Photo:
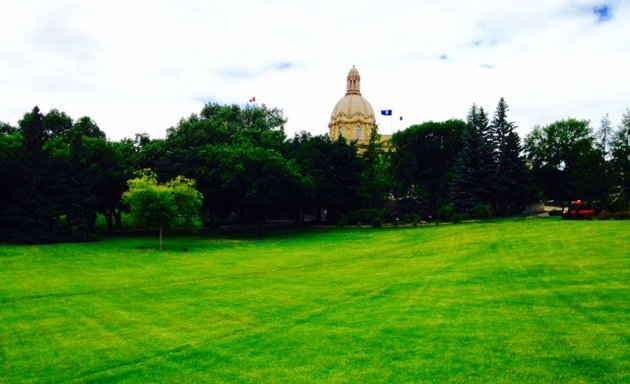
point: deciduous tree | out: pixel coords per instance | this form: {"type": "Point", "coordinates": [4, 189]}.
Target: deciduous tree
{"type": "Point", "coordinates": [173, 205]}
{"type": "Point", "coordinates": [423, 163]}
{"type": "Point", "coordinates": [564, 161]}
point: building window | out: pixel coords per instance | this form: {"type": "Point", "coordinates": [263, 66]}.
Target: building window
{"type": "Point", "coordinates": [358, 133]}
{"type": "Point", "coordinates": [341, 132]}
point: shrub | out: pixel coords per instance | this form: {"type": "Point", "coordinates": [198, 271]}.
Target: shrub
{"type": "Point", "coordinates": [445, 213]}
{"type": "Point", "coordinates": [622, 215]}
{"type": "Point", "coordinates": [366, 215]}
{"type": "Point", "coordinates": [377, 222]}
{"type": "Point", "coordinates": [413, 219]}
{"type": "Point", "coordinates": [604, 215]}
{"type": "Point", "coordinates": [482, 211]}
{"type": "Point", "coordinates": [459, 217]}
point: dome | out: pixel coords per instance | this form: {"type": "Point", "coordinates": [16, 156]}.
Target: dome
{"type": "Point", "coordinates": [353, 72]}
{"type": "Point", "coordinates": [353, 106]}
{"type": "Point", "coordinates": [353, 116]}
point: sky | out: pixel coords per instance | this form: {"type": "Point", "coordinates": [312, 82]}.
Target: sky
{"type": "Point", "coordinates": [139, 66]}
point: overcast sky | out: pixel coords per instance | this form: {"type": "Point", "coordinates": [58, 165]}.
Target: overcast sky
{"type": "Point", "coordinates": [140, 66]}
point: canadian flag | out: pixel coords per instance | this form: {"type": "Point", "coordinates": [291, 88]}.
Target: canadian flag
{"type": "Point", "coordinates": [252, 100]}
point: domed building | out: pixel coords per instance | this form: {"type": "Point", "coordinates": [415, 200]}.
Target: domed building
{"type": "Point", "coordinates": [353, 116]}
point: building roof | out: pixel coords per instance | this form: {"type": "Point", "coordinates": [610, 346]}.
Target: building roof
{"type": "Point", "coordinates": [353, 106]}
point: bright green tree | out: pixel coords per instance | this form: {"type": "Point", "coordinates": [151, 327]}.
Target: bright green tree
{"type": "Point", "coordinates": [173, 205]}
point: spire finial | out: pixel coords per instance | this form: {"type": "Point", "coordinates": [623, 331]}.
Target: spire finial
{"type": "Point", "coordinates": [353, 85]}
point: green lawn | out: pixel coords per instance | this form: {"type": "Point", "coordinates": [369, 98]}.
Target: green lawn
{"type": "Point", "coordinates": [535, 300]}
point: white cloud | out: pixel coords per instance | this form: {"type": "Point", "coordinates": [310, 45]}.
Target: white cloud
{"type": "Point", "coordinates": [141, 66]}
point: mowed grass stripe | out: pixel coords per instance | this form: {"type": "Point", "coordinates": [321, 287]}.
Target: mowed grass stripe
{"type": "Point", "coordinates": [506, 301]}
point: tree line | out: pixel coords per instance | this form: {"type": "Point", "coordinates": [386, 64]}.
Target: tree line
{"type": "Point", "coordinates": [58, 174]}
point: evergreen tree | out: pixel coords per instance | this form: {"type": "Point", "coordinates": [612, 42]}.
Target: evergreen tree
{"type": "Point", "coordinates": [620, 164]}
{"type": "Point", "coordinates": [375, 179]}
{"type": "Point", "coordinates": [33, 178]}
{"type": "Point", "coordinates": [603, 142]}
{"type": "Point", "coordinates": [604, 137]}
{"type": "Point", "coordinates": [11, 146]}
{"type": "Point", "coordinates": [510, 188]}
{"type": "Point", "coordinates": [474, 167]}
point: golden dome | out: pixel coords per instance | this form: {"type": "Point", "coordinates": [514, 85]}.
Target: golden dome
{"type": "Point", "coordinates": [352, 107]}
{"type": "Point", "coordinates": [353, 116]}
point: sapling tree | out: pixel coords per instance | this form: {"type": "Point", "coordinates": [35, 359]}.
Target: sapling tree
{"type": "Point", "coordinates": [172, 205]}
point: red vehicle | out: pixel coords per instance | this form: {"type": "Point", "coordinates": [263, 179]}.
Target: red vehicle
{"type": "Point", "coordinates": [578, 210]}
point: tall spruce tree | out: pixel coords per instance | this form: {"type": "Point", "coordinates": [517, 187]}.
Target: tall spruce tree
{"type": "Point", "coordinates": [510, 187]}
{"type": "Point", "coordinates": [620, 164]}
{"type": "Point", "coordinates": [604, 137]}
{"type": "Point", "coordinates": [32, 203]}
{"type": "Point", "coordinates": [474, 167]}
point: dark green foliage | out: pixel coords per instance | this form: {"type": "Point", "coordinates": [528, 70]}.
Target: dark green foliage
{"type": "Point", "coordinates": [459, 217]}
{"type": "Point", "coordinates": [230, 124]}
{"type": "Point", "coordinates": [474, 170]}
{"type": "Point", "coordinates": [413, 219]}
{"type": "Point", "coordinates": [60, 172]}
{"type": "Point", "coordinates": [251, 136]}
{"type": "Point", "coordinates": [376, 180]}
{"type": "Point", "coordinates": [335, 170]}
{"type": "Point", "coordinates": [11, 144]}
{"type": "Point", "coordinates": [620, 165]}
{"type": "Point", "coordinates": [365, 216]}
{"type": "Point", "coordinates": [251, 182]}
{"type": "Point", "coordinates": [511, 180]}
{"type": "Point", "coordinates": [56, 174]}
{"type": "Point", "coordinates": [423, 163]}
{"type": "Point", "coordinates": [565, 164]}
{"type": "Point", "coordinates": [7, 129]}
{"type": "Point", "coordinates": [481, 211]}
{"type": "Point", "coordinates": [445, 213]}
{"type": "Point", "coordinates": [34, 211]}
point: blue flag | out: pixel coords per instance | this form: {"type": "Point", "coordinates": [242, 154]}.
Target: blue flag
{"type": "Point", "coordinates": [386, 112]}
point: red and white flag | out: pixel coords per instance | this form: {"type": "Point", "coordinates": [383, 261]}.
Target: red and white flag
{"type": "Point", "coordinates": [252, 100]}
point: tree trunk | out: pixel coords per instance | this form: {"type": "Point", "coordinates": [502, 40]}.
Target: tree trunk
{"type": "Point", "coordinates": [109, 220]}
{"type": "Point", "coordinates": [118, 216]}
{"type": "Point", "coordinates": [161, 236]}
